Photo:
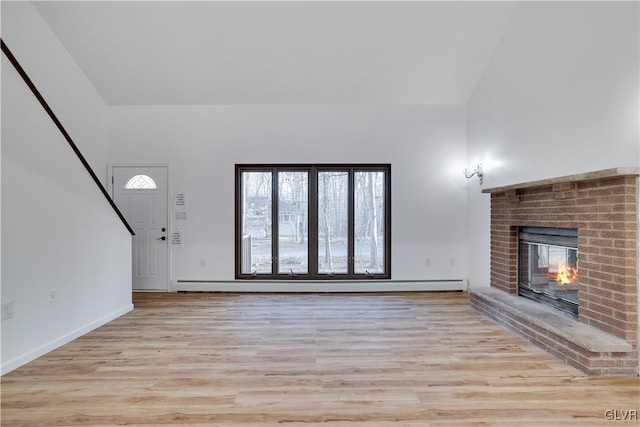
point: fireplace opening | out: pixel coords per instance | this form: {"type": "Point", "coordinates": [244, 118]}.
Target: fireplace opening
{"type": "Point", "coordinates": [548, 267]}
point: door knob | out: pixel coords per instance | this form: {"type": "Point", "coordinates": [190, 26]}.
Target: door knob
{"type": "Point", "coordinates": [161, 238]}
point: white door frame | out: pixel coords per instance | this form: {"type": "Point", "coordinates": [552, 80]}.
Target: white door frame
{"type": "Point", "coordinates": [110, 189]}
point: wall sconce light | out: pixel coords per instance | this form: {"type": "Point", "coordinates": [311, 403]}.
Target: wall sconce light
{"type": "Point", "coordinates": [476, 172]}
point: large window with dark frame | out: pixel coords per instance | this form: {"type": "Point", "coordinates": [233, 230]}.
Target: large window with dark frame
{"type": "Point", "coordinates": [313, 221]}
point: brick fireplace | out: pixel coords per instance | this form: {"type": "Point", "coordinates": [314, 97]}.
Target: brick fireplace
{"type": "Point", "coordinates": [603, 207]}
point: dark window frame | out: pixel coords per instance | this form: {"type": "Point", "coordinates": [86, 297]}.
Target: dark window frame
{"type": "Point", "coordinates": [312, 194]}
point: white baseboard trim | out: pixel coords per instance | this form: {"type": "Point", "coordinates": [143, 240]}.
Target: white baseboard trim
{"type": "Point", "coordinates": [184, 285]}
{"type": "Point", "coordinates": [58, 342]}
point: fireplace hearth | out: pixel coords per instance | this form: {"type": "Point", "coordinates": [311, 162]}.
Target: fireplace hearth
{"type": "Point", "coordinates": [570, 243]}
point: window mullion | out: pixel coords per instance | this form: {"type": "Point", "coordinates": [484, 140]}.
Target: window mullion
{"type": "Point", "coordinates": [387, 222]}
{"type": "Point", "coordinates": [274, 223]}
{"type": "Point", "coordinates": [351, 222]}
{"type": "Point", "coordinates": [313, 222]}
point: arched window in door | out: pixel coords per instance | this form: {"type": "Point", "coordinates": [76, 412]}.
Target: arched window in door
{"type": "Point", "coordinates": [140, 182]}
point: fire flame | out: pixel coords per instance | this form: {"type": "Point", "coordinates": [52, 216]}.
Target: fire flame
{"type": "Point", "coordinates": [566, 275]}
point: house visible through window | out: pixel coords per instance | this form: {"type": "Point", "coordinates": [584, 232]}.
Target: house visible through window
{"type": "Point", "coordinates": [286, 217]}
{"type": "Point", "coordinates": [313, 221]}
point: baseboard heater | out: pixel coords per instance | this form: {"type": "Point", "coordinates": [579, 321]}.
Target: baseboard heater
{"type": "Point", "coordinates": [184, 285]}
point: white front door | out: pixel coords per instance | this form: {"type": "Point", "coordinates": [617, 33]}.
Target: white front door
{"type": "Point", "coordinates": [141, 195]}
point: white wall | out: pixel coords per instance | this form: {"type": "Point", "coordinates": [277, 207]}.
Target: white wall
{"type": "Point", "coordinates": [425, 146]}
{"type": "Point", "coordinates": [59, 79]}
{"type": "Point", "coordinates": [58, 231]}
{"type": "Point", "coordinates": [560, 96]}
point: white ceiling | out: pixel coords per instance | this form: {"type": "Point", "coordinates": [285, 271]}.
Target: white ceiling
{"type": "Point", "coordinates": [212, 52]}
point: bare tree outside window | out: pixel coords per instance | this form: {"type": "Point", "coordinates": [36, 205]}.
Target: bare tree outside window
{"type": "Point", "coordinates": [293, 198]}
{"type": "Point", "coordinates": [256, 222]}
{"type": "Point", "coordinates": [333, 210]}
{"type": "Point", "coordinates": [369, 210]}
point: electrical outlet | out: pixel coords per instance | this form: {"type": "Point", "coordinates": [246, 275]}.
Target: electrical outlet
{"type": "Point", "coordinates": [203, 262]}
{"type": "Point", "coordinates": [452, 262]}
{"type": "Point", "coordinates": [53, 295]}
{"type": "Point", "coordinates": [427, 262]}
{"type": "Point", "coordinates": [7, 310]}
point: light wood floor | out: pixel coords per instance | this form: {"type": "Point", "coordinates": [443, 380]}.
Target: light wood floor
{"type": "Point", "coordinates": [406, 359]}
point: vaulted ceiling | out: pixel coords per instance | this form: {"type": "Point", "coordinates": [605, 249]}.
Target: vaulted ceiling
{"type": "Point", "coordinates": [264, 52]}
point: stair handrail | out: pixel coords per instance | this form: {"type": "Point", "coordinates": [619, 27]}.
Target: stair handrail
{"type": "Point", "coordinates": [65, 134]}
